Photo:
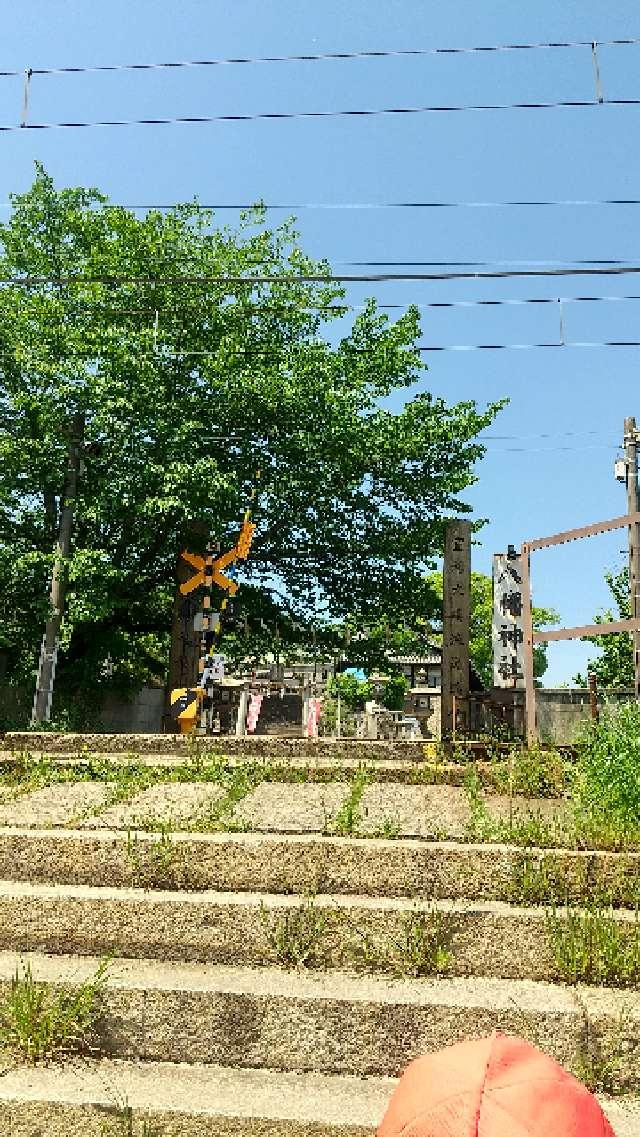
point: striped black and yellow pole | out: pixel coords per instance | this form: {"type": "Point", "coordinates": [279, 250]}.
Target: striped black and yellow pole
{"type": "Point", "coordinates": [210, 668]}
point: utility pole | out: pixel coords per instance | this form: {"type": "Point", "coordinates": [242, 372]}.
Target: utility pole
{"type": "Point", "coordinates": [631, 458]}
{"type": "Point", "coordinates": [49, 649]}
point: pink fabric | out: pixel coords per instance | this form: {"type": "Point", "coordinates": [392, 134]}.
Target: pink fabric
{"type": "Point", "coordinates": [493, 1087]}
{"type": "Point", "coordinates": [253, 713]}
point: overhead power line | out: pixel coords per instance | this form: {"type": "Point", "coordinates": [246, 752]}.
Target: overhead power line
{"type": "Point", "coordinates": [327, 278]}
{"type": "Point", "coordinates": [547, 449]}
{"type": "Point", "coordinates": [273, 116]}
{"type": "Point", "coordinates": [527, 346]}
{"type": "Point", "coordinates": [346, 308]}
{"type": "Point", "coordinates": [376, 204]}
{"type": "Point", "coordinates": [324, 56]}
{"type": "Point", "coordinates": [547, 434]}
{"type": "Point", "coordinates": [166, 354]}
{"type": "Point", "coordinates": [555, 300]}
{"type": "Point", "coordinates": [346, 205]}
{"type": "Point", "coordinates": [484, 264]}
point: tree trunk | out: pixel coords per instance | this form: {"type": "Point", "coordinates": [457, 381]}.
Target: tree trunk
{"type": "Point", "coordinates": [49, 650]}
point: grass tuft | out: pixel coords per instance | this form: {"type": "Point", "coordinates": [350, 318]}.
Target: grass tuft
{"type": "Point", "coordinates": [592, 946]}
{"type": "Point", "coordinates": [295, 935]}
{"type": "Point", "coordinates": [346, 821]}
{"type": "Point", "coordinates": [422, 947]}
{"type": "Point", "coordinates": [125, 1124]}
{"type": "Point", "coordinates": [38, 1022]}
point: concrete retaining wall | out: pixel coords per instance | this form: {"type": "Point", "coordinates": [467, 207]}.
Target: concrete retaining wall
{"type": "Point", "coordinates": [140, 715]}
{"type": "Point", "coordinates": [564, 713]}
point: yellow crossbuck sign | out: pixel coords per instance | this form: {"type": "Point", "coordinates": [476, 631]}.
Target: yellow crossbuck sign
{"type": "Point", "coordinates": [212, 567]}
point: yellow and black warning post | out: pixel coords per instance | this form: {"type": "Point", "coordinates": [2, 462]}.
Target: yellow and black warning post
{"type": "Point", "coordinates": [185, 704]}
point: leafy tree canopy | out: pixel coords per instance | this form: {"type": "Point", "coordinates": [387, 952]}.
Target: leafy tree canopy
{"type": "Point", "coordinates": [353, 692]}
{"type": "Point", "coordinates": [394, 692]}
{"type": "Point", "coordinates": [480, 646]}
{"type": "Point", "coordinates": [191, 376]}
{"type": "Point", "coordinates": [614, 667]}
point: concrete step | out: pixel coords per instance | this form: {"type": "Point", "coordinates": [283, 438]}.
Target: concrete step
{"type": "Point", "coordinates": [393, 936]}
{"type": "Point", "coordinates": [285, 768]}
{"type": "Point", "coordinates": [336, 1022]}
{"type": "Point", "coordinates": [392, 809]}
{"type": "Point", "coordinates": [308, 863]}
{"type": "Point", "coordinates": [276, 747]}
{"type": "Point", "coordinates": [86, 1100]}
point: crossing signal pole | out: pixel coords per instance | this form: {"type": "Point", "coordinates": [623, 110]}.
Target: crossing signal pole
{"type": "Point", "coordinates": [189, 703]}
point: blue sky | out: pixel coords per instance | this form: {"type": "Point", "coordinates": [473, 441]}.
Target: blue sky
{"type": "Point", "coordinates": [549, 464]}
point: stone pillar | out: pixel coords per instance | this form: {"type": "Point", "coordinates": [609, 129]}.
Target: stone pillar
{"type": "Point", "coordinates": [456, 611]}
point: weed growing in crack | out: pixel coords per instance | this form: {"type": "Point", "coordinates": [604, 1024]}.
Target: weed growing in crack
{"type": "Point", "coordinates": [39, 1022]}
{"type": "Point", "coordinates": [592, 946]}
{"type": "Point", "coordinates": [572, 829]}
{"type": "Point", "coordinates": [480, 826]}
{"type": "Point", "coordinates": [389, 829]}
{"type": "Point", "coordinates": [295, 934]}
{"type": "Point", "coordinates": [125, 1124]}
{"type": "Point", "coordinates": [598, 1063]}
{"type": "Point", "coordinates": [346, 821]}
{"type": "Point", "coordinates": [533, 772]}
{"type": "Point", "coordinates": [544, 879]}
{"type": "Point", "coordinates": [157, 864]}
{"type": "Point", "coordinates": [421, 947]}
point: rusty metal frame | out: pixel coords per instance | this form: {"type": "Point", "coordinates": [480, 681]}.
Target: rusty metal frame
{"type": "Point", "coordinates": [531, 637]}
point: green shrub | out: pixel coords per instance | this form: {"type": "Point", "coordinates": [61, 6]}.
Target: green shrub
{"type": "Point", "coordinates": [606, 790]}
{"type": "Point", "coordinates": [534, 772]}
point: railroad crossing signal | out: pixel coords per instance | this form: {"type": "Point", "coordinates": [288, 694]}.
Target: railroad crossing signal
{"type": "Point", "coordinates": [244, 540]}
{"type": "Point", "coordinates": [187, 703]}
{"type": "Point", "coordinates": [209, 569]}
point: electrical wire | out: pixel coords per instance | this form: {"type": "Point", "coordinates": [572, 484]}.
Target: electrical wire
{"type": "Point", "coordinates": [324, 56]}
{"type": "Point", "coordinates": [327, 278]}
{"type": "Point", "coordinates": [555, 300]}
{"type": "Point", "coordinates": [425, 348]}
{"type": "Point", "coordinates": [548, 449]}
{"type": "Point", "coordinates": [264, 116]}
{"type": "Point", "coordinates": [164, 356]}
{"type": "Point", "coordinates": [545, 434]}
{"type": "Point", "coordinates": [345, 309]}
{"type": "Point", "coordinates": [345, 205]}
{"type": "Point", "coordinates": [480, 264]}
{"type": "Point", "coordinates": [527, 346]}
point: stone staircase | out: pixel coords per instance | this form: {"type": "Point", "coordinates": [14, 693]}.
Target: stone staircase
{"type": "Point", "coordinates": [283, 945]}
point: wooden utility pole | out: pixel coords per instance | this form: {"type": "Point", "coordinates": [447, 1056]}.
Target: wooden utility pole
{"type": "Point", "coordinates": [49, 649]}
{"type": "Point", "coordinates": [631, 456]}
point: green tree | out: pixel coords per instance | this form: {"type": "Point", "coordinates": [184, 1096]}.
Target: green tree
{"type": "Point", "coordinates": [614, 667]}
{"type": "Point", "coordinates": [480, 644]}
{"type": "Point", "coordinates": [191, 375]}
{"type": "Point", "coordinates": [394, 692]}
{"type": "Point", "coordinates": [353, 692]}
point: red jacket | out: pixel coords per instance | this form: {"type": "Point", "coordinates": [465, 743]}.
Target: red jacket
{"type": "Point", "coordinates": [492, 1087]}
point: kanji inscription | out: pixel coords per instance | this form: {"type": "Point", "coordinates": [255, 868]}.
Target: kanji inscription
{"type": "Point", "coordinates": [455, 639]}
{"type": "Point", "coordinates": [507, 630]}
